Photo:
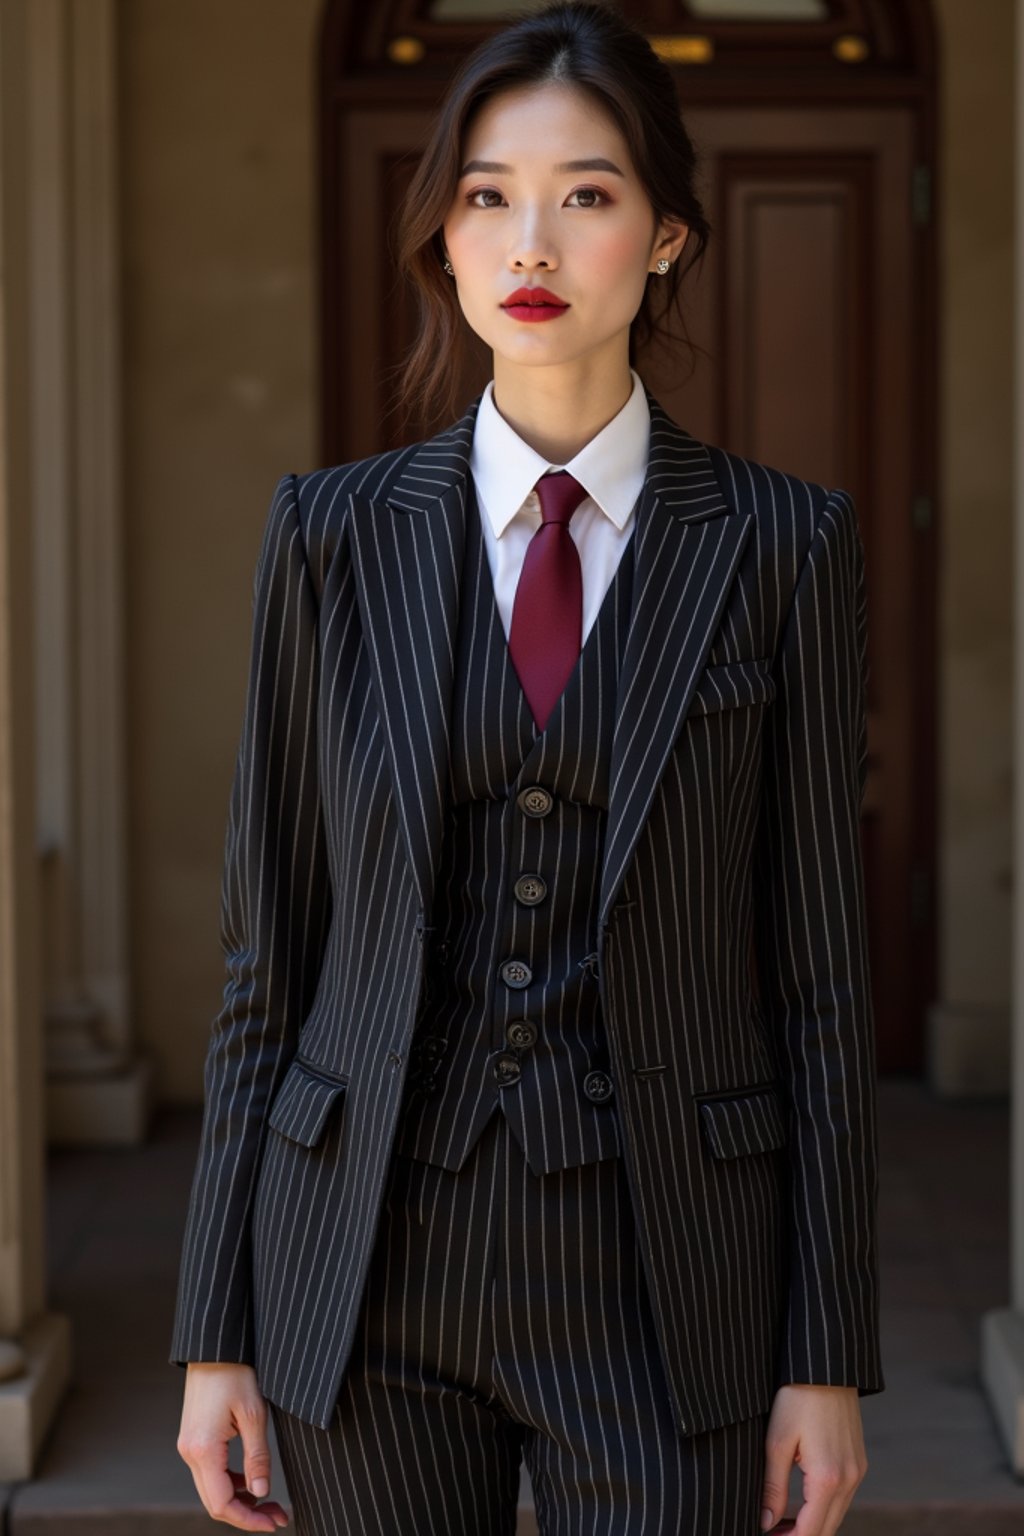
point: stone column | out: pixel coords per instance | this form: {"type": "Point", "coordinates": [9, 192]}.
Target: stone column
{"type": "Point", "coordinates": [1002, 1329]}
{"type": "Point", "coordinates": [34, 1344]}
{"type": "Point", "coordinates": [98, 1090]}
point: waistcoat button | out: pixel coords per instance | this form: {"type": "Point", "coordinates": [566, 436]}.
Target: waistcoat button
{"type": "Point", "coordinates": [516, 973]}
{"type": "Point", "coordinates": [506, 1069]}
{"type": "Point", "coordinates": [597, 1086]}
{"type": "Point", "coordinates": [521, 1033]}
{"type": "Point", "coordinates": [530, 889]}
{"type": "Point", "coordinates": [534, 800]}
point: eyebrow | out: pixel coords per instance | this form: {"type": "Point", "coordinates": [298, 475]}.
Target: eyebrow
{"type": "Point", "coordinates": [498, 168]}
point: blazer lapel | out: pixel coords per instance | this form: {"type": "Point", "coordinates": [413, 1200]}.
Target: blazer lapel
{"type": "Point", "coordinates": [407, 555]}
{"type": "Point", "coordinates": [689, 544]}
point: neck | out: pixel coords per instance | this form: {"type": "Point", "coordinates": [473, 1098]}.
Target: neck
{"type": "Point", "coordinates": [558, 410]}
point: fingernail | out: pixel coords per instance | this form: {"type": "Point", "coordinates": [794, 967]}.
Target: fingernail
{"type": "Point", "coordinates": [767, 1519]}
{"type": "Point", "coordinates": [260, 1487]}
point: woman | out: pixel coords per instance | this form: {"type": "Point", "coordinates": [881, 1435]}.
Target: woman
{"type": "Point", "coordinates": [555, 721]}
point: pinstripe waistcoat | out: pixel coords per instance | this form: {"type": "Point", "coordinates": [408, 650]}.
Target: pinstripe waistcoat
{"type": "Point", "coordinates": [511, 1016]}
{"type": "Point", "coordinates": [744, 1092]}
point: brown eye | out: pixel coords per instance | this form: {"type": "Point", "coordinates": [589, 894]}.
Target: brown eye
{"type": "Point", "coordinates": [591, 192]}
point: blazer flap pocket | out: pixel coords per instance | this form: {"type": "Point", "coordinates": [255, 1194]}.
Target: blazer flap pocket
{"type": "Point", "coordinates": [751, 1121]}
{"type": "Point", "coordinates": [732, 684]}
{"type": "Point", "coordinates": [303, 1102]}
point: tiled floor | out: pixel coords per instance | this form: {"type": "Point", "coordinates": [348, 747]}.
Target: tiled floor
{"type": "Point", "coordinates": [936, 1464]}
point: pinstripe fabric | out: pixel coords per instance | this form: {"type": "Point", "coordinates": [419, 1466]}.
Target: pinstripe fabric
{"type": "Point", "coordinates": [735, 777]}
{"type": "Point", "coordinates": [468, 1055]}
{"type": "Point", "coordinates": [506, 1318]}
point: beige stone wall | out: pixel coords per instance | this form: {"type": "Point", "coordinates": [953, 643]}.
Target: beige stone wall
{"type": "Point", "coordinates": [218, 114]}
{"type": "Point", "coordinates": [976, 484]}
{"type": "Point", "coordinates": [218, 206]}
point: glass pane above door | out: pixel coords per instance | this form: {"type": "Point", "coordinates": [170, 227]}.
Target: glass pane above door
{"type": "Point", "coordinates": [698, 10]}
{"type": "Point", "coordinates": [758, 10]}
{"type": "Point", "coordinates": [478, 10]}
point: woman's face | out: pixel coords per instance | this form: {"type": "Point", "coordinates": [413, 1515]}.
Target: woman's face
{"type": "Point", "coordinates": [522, 219]}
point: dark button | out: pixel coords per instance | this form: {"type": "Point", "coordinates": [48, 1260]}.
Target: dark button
{"type": "Point", "coordinates": [597, 1086]}
{"type": "Point", "coordinates": [530, 889]}
{"type": "Point", "coordinates": [506, 1069]}
{"type": "Point", "coordinates": [427, 1048]}
{"type": "Point", "coordinates": [394, 1060]}
{"type": "Point", "coordinates": [534, 801]}
{"type": "Point", "coordinates": [516, 973]}
{"type": "Point", "coordinates": [521, 1033]}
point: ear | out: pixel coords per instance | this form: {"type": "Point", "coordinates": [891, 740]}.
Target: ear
{"type": "Point", "coordinates": [672, 235]}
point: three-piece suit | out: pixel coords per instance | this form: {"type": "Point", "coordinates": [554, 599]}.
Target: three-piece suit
{"type": "Point", "coordinates": [617, 966]}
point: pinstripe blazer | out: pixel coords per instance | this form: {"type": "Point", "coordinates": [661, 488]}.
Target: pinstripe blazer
{"type": "Point", "coordinates": [731, 943]}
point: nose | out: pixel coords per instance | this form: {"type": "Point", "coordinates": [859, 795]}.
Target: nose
{"type": "Point", "coordinates": [521, 260]}
{"type": "Point", "coordinates": [531, 248]}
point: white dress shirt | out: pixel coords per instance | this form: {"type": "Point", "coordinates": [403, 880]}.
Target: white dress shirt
{"type": "Point", "coordinates": [611, 467]}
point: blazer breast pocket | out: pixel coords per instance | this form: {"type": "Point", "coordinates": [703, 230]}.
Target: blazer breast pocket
{"type": "Point", "coordinates": [732, 685]}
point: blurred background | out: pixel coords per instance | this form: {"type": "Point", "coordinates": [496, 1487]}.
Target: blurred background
{"type": "Point", "coordinates": [197, 295]}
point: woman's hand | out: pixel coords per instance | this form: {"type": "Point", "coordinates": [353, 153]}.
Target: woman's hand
{"type": "Point", "coordinates": [820, 1428]}
{"type": "Point", "coordinates": [223, 1400]}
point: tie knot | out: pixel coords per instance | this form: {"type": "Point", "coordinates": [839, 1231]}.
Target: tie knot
{"type": "Point", "coordinates": [560, 494]}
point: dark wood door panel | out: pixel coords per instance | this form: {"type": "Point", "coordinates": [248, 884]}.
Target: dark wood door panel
{"type": "Point", "coordinates": [369, 310]}
{"type": "Point", "coordinates": [810, 306]}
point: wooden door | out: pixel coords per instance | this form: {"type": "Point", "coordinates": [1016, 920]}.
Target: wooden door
{"type": "Point", "coordinates": [814, 307]}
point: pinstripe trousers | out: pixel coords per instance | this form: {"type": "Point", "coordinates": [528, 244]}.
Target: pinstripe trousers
{"type": "Point", "coordinates": [505, 1318]}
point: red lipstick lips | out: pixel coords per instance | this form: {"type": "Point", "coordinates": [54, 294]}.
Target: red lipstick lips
{"type": "Point", "coordinates": [534, 304]}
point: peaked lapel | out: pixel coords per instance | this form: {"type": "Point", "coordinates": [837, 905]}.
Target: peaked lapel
{"type": "Point", "coordinates": [407, 553]}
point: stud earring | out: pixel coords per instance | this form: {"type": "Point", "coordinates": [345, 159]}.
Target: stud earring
{"type": "Point", "coordinates": [448, 267]}
{"type": "Point", "coordinates": [664, 264]}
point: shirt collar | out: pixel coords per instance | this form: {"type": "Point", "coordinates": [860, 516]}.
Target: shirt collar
{"type": "Point", "coordinates": [611, 467]}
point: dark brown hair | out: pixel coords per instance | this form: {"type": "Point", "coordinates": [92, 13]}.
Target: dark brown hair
{"type": "Point", "coordinates": [588, 45]}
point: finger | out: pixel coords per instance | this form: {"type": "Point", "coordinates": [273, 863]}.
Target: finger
{"type": "Point", "coordinates": [822, 1491]}
{"type": "Point", "coordinates": [216, 1484]}
{"type": "Point", "coordinates": [271, 1507]}
{"type": "Point", "coordinates": [251, 1419]}
{"type": "Point", "coordinates": [841, 1503]}
{"type": "Point", "coordinates": [778, 1460]}
{"type": "Point", "coordinates": [243, 1512]}
{"type": "Point", "coordinates": [208, 1462]}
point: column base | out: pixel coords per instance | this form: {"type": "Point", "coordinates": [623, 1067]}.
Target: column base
{"type": "Point", "coordinates": [968, 1051]}
{"type": "Point", "coordinates": [29, 1401]}
{"type": "Point", "coordinates": [104, 1111]}
{"type": "Point", "coordinates": [1002, 1372]}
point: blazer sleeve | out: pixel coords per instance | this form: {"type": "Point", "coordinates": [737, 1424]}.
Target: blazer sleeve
{"type": "Point", "coordinates": [812, 959]}
{"type": "Point", "coordinates": [275, 909]}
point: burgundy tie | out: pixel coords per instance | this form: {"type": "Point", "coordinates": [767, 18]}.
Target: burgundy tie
{"type": "Point", "coordinates": [547, 614]}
